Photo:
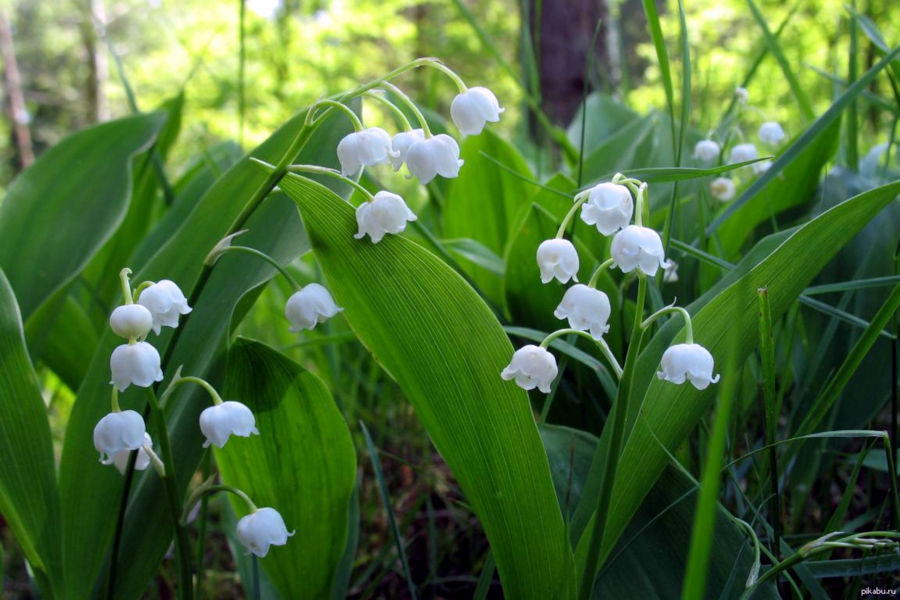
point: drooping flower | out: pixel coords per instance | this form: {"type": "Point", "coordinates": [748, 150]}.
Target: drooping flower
{"type": "Point", "coordinates": [637, 247]}
{"type": "Point", "coordinates": [743, 153]}
{"type": "Point", "coordinates": [166, 302]}
{"type": "Point", "coordinates": [137, 364]}
{"type": "Point", "coordinates": [387, 213]}
{"type": "Point", "coordinates": [586, 308]}
{"type": "Point", "coordinates": [365, 148]}
{"type": "Point", "coordinates": [400, 146]}
{"type": "Point", "coordinates": [706, 150]}
{"type": "Point", "coordinates": [771, 133]}
{"type": "Point", "coordinates": [131, 321]}
{"type": "Point", "coordinates": [471, 109]}
{"type": "Point", "coordinates": [437, 155]}
{"type": "Point", "coordinates": [310, 305]}
{"type": "Point", "coordinates": [532, 367]}
{"type": "Point", "coordinates": [120, 458]}
{"type": "Point", "coordinates": [761, 167]}
{"type": "Point", "coordinates": [220, 421]}
{"type": "Point", "coordinates": [118, 431]}
{"type": "Point", "coordinates": [609, 207]}
{"type": "Point", "coordinates": [722, 189]}
{"type": "Point", "coordinates": [261, 529]}
{"type": "Point", "coordinates": [557, 258]}
{"type": "Point", "coordinates": [688, 362]}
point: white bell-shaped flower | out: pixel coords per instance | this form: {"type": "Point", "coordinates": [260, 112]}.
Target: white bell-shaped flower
{"type": "Point", "coordinates": [471, 109]}
{"type": "Point", "coordinates": [120, 458]}
{"type": "Point", "coordinates": [586, 308]}
{"type": "Point", "coordinates": [670, 271]}
{"type": "Point", "coordinates": [690, 362]}
{"type": "Point", "coordinates": [221, 421]}
{"type": "Point", "coordinates": [261, 529]}
{"type": "Point", "coordinates": [437, 155]}
{"type": "Point", "coordinates": [118, 431]}
{"type": "Point", "coordinates": [365, 148]}
{"type": "Point", "coordinates": [761, 167]}
{"type": "Point", "coordinates": [400, 146]}
{"type": "Point", "coordinates": [722, 189]}
{"type": "Point", "coordinates": [609, 207]}
{"type": "Point", "coordinates": [743, 153]}
{"type": "Point", "coordinates": [131, 321]}
{"type": "Point", "coordinates": [166, 302]}
{"type": "Point", "coordinates": [771, 133]}
{"type": "Point", "coordinates": [137, 363]}
{"type": "Point", "coordinates": [387, 213]}
{"type": "Point", "coordinates": [310, 305]}
{"type": "Point", "coordinates": [532, 367]}
{"type": "Point", "coordinates": [637, 247]}
{"type": "Point", "coordinates": [706, 150]}
{"type": "Point", "coordinates": [557, 258]}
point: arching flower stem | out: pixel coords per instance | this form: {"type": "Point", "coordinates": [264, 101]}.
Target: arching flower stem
{"type": "Point", "coordinates": [580, 199]}
{"type": "Point", "coordinates": [357, 124]}
{"type": "Point", "coordinates": [409, 103]}
{"type": "Point", "coordinates": [398, 114]}
{"type": "Point", "coordinates": [592, 282]}
{"type": "Point", "coordinates": [688, 326]}
{"type": "Point", "coordinates": [265, 257]}
{"type": "Point", "coordinates": [601, 343]}
{"type": "Point", "coordinates": [206, 488]}
{"type": "Point", "coordinates": [127, 296]}
{"type": "Point", "coordinates": [328, 172]}
{"type": "Point", "coordinates": [179, 379]}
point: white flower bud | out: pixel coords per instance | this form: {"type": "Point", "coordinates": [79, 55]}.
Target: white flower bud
{"type": "Point", "coordinates": [310, 305]}
{"type": "Point", "coordinates": [437, 155]}
{"type": "Point", "coordinates": [131, 321]}
{"type": "Point", "coordinates": [118, 431]}
{"type": "Point", "coordinates": [387, 213]}
{"type": "Point", "coordinates": [761, 167]}
{"type": "Point", "coordinates": [609, 207]}
{"type": "Point", "coordinates": [691, 362]}
{"type": "Point", "coordinates": [722, 189]}
{"type": "Point", "coordinates": [532, 367]}
{"type": "Point", "coordinates": [557, 258]}
{"type": "Point", "coordinates": [706, 150]}
{"type": "Point", "coordinates": [743, 96]}
{"type": "Point", "coordinates": [771, 133]}
{"type": "Point", "coordinates": [743, 153]}
{"type": "Point", "coordinates": [120, 458]}
{"type": "Point", "coordinates": [220, 421]}
{"type": "Point", "coordinates": [135, 363]}
{"type": "Point", "coordinates": [261, 529]}
{"type": "Point", "coordinates": [586, 309]}
{"type": "Point", "coordinates": [165, 302]}
{"type": "Point", "coordinates": [400, 146]}
{"type": "Point", "coordinates": [365, 148]}
{"type": "Point", "coordinates": [638, 247]}
{"type": "Point", "coordinates": [471, 109]}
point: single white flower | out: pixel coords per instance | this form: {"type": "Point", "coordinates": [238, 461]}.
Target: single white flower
{"type": "Point", "coordinates": [166, 302]}
{"type": "Point", "coordinates": [471, 109]}
{"type": "Point", "coordinates": [743, 153]}
{"type": "Point", "coordinates": [586, 309]}
{"type": "Point", "coordinates": [743, 96]}
{"type": "Point", "coordinates": [137, 363]}
{"type": "Point", "coordinates": [131, 321]}
{"type": "Point", "coordinates": [638, 247]}
{"type": "Point", "coordinates": [722, 189]}
{"type": "Point", "coordinates": [118, 431]}
{"type": "Point", "coordinates": [557, 258]}
{"type": "Point", "coordinates": [690, 362]}
{"type": "Point", "coordinates": [609, 207]}
{"type": "Point", "coordinates": [706, 150]}
{"type": "Point", "coordinates": [220, 421]}
{"type": "Point", "coordinates": [670, 271]}
{"type": "Point", "coordinates": [365, 148]}
{"type": "Point", "coordinates": [761, 167]}
{"type": "Point", "coordinates": [532, 367]}
{"type": "Point", "coordinates": [309, 305]}
{"type": "Point", "coordinates": [120, 458]}
{"type": "Point", "coordinates": [437, 155]}
{"type": "Point", "coordinates": [400, 146]}
{"type": "Point", "coordinates": [771, 133]}
{"type": "Point", "coordinates": [261, 529]}
{"type": "Point", "coordinates": [387, 213]}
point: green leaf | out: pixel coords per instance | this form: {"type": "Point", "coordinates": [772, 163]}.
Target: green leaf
{"type": "Point", "coordinates": [29, 498]}
{"type": "Point", "coordinates": [58, 213]}
{"type": "Point", "coordinates": [605, 116]}
{"type": "Point", "coordinates": [445, 349]}
{"type": "Point", "coordinates": [303, 464]}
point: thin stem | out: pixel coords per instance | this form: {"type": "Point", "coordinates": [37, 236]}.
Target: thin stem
{"type": "Point", "coordinates": [592, 283]}
{"type": "Point", "coordinates": [579, 200]}
{"type": "Point", "coordinates": [412, 106]}
{"type": "Point", "coordinates": [216, 398]}
{"type": "Point", "coordinates": [201, 534]}
{"type": "Point", "coordinates": [404, 122]}
{"type": "Point", "coordinates": [126, 286]}
{"type": "Point", "coordinates": [357, 124]}
{"type": "Point", "coordinates": [205, 489]}
{"type": "Point", "coordinates": [688, 327]}
{"type": "Point", "coordinates": [265, 257]}
{"type": "Point", "coordinates": [436, 64]}
{"type": "Point", "coordinates": [334, 173]}
{"type": "Point", "coordinates": [601, 343]}
{"type": "Point", "coordinates": [137, 291]}
{"type": "Point", "coordinates": [114, 400]}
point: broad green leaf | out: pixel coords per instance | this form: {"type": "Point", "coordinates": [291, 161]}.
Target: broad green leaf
{"type": "Point", "coordinates": [29, 498]}
{"type": "Point", "coordinates": [605, 116]}
{"type": "Point", "coordinates": [60, 334]}
{"type": "Point", "coordinates": [445, 349]}
{"type": "Point", "coordinates": [58, 213]}
{"type": "Point", "coordinates": [623, 149]}
{"type": "Point", "coordinates": [303, 464]}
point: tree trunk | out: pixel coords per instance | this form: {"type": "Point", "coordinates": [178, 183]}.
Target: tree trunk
{"type": "Point", "coordinates": [18, 114]}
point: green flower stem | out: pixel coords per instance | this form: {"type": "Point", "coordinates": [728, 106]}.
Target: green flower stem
{"type": "Point", "coordinates": [688, 327]}
{"type": "Point", "coordinates": [619, 414]}
{"type": "Point", "coordinates": [592, 283]}
{"type": "Point", "coordinates": [398, 114]}
{"type": "Point", "coordinates": [114, 400]}
{"type": "Point", "coordinates": [205, 489]}
{"type": "Point", "coordinates": [412, 106]}
{"type": "Point", "coordinates": [357, 124]}
{"type": "Point", "coordinates": [178, 380]}
{"type": "Point", "coordinates": [265, 257]}
{"type": "Point", "coordinates": [601, 343]}
{"type": "Point", "coordinates": [137, 291]}
{"type": "Point", "coordinates": [126, 287]}
{"type": "Point", "coordinates": [329, 172]}
{"type": "Point", "coordinates": [438, 65]}
{"type": "Point", "coordinates": [182, 543]}
{"type": "Point", "coordinates": [579, 200]}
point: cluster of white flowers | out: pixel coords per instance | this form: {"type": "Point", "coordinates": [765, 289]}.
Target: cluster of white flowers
{"type": "Point", "coordinates": [609, 207]}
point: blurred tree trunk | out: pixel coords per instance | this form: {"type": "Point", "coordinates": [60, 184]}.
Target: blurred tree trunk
{"type": "Point", "coordinates": [94, 16]}
{"type": "Point", "coordinates": [18, 115]}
